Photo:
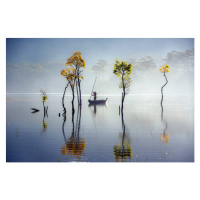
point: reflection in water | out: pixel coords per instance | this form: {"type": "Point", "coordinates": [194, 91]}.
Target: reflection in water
{"type": "Point", "coordinates": [123, 150]}
{"type": "Point", "coordinates": [44, 124]}
{"type": "Point", "coordinates": [164, 137]}
{"type": "Point", "coordinates": [44, 127]}
{"type": "Point", "coordinates": [97, 105]}
{"type": "Point", "coordinates": [74, 146]}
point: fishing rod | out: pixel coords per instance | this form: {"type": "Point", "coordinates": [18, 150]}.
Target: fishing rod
{"type": "Point", "coordinates": [93, 86]}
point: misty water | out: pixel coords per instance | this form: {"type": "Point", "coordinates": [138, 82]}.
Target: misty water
{"type": "Point", "coordinates": [100, 133]}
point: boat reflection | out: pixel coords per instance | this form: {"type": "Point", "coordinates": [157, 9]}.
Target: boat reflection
{"type": "Point", "coordinates": [74, 146]}
{"type": "Point", "coordinates": [123, 151]}
{"type": "Point", "coordinates": [97, 105]}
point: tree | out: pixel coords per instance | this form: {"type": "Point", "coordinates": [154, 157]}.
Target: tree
{"type": "Point", "coordinates": [78, 63]}
{"type": "Point", "coordinates": [44, 98]}
{"type": "Point", "coordinates": [123, 70]}
{"type": "Point", "coordinates": [164, 70]}
{"type": "Point", "coordinates": [71, 78]}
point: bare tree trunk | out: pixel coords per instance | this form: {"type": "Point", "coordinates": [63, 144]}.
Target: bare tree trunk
{"type": "Point", "coordinates": [63, 127]}
{"type": "Point", "coordinates": [123, 97]}
{"type": "Point", "coordinates": [122, 106]}
{"type": "Point", "coordinates": [72, 123]}
{"type": "Point", "coordinates": [79, 120]}
{"type": "Point", "coordinates": [79, 86]}
{"type": "Point", "coordinates": [162, 94]}
{"type": "Point", "coordinates": [44, 108]}
{"type": "Point", "coordinates": [123, 129]}
{"type": "Point", "coordinates": [73, 110]}
{"type": "Point", "coordinates": [63, 98]}
{"type": "Point", "coordinates": [123, 94]}
{"type": "Point", "coordinates": [77, 91]}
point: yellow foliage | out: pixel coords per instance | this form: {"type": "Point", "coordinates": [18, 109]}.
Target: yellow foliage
{"type": "Point", "coordinates": [165, 69]}
{"type": "Point", "coordinates": [76, 60]}
{"type": "Point", "coordinates": [44, 98]}
{"type": "Point", "coordinates": [73, 72]}
{"type": "Point", "coordinates": [64, 72]}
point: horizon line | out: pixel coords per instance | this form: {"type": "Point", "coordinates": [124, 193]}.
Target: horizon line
{"type": "Point", "coordinates": [98, 94]}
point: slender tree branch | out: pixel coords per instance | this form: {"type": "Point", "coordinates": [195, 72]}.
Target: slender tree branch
{"type": "Point", "coordinates": [162, 93]}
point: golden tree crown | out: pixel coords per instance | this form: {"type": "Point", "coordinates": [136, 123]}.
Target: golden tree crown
{"type": "Point", "coordinates": [69, 74]}
{"type": "Point", "coordinates": [165, 69]}
{"type": "Point", "coordinates": [76, 60]}
{"type": "Point", "coordinates": [44, 98]}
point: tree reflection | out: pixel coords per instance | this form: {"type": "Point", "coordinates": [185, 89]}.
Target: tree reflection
{"type": "Point", "coordinates": [74, 146]}
{"type": "Point", "coordinates": [164, 137]}
{"type": "Point", "coordinates": [123, 150]}
{"type": "Point", "coordinates": [44, 124]}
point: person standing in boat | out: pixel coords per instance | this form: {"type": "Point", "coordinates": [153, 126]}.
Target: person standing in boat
{"type": "Point", "coordinates": [95, 95]}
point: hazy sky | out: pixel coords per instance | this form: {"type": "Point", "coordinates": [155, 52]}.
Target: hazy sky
{"type": "Point", "coordinates": [33, 64]}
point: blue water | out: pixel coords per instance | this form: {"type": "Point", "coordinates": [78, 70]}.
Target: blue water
{"type": "Point", "coordinates": [100, 134]}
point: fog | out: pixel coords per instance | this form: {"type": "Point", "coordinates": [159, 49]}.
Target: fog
{"type": "Point", "coordinates": [30, 77]}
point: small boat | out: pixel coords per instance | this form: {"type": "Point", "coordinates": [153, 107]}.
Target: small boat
{"type": "Point", "coordinates": [97, 101]}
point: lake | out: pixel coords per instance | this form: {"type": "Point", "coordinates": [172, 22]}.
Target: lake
{"type": "Point", "coordinates": [100, 133]}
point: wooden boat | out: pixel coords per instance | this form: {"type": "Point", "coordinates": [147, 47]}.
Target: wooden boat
{"type": "Point", "coordinates": [97, 101]}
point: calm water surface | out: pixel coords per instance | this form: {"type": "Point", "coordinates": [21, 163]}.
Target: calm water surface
{"type": "Point", "coordinates": [100, 134]}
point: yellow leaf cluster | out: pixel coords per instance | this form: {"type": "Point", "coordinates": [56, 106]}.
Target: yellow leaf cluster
{"type": "Point", "coordinates": [69, 73]}
{"type": "Point", "coordinates": [81, 77]}
{"type": "Point", "coordinates": [165, 69]}
{"type": "Point", "coordinates": [44, 98]}
{"type": "Point", "coordinates": [76, 60]}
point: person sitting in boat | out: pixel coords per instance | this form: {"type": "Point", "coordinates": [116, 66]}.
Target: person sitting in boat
{"type": "Point", "coordinates": [95, 95]}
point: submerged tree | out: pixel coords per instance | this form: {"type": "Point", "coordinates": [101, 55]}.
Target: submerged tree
{"type": "Point", "coordinates": [164, 70]}
{"type": "Point", "coordinates": [78, 63]}
{"type": "Point", "coordinates": [123, 70]}
{"type": "Point", "coordinates": [44, 98]}
{"type": "Point", "coordinates": [71, 78]}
